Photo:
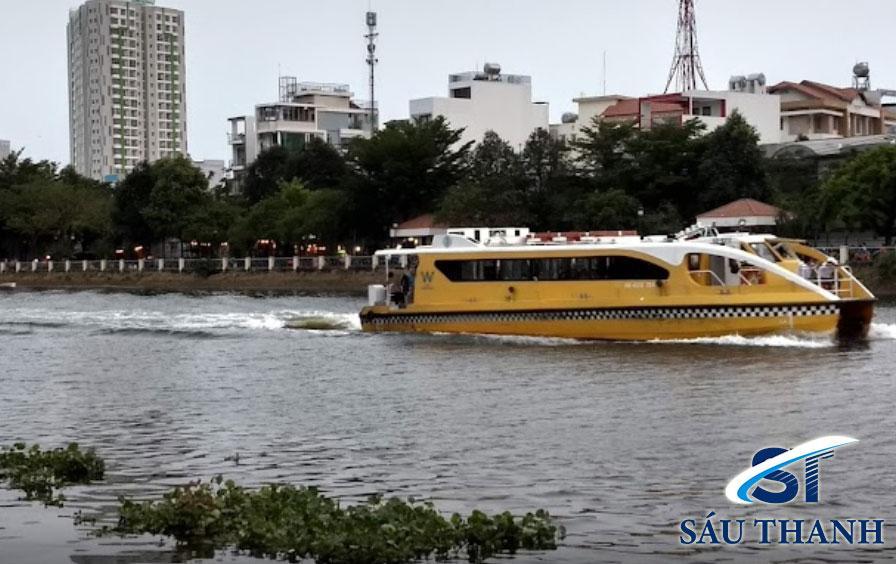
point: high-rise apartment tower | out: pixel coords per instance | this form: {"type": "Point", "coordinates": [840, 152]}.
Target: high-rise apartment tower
{"type": "Point", "coordinates": [126, 86]}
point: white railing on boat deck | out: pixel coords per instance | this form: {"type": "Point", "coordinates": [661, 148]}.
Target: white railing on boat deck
{"type": "Point", "coordinates": [719, 282]}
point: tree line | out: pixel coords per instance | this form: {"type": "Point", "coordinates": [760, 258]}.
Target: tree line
{"type": "Point", "coordinates": [612, 176]}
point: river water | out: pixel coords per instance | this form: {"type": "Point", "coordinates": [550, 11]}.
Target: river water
{"type": "Point", "coordinates": [620, 441]}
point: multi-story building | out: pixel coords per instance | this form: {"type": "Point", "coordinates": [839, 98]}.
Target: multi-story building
{"type": "Point", "coordinates": [589, 108]}
{"type": "Point", "coordinates": [305, 110]}
{"type": "Point", "coordinates": [746, 94]}
{"type": "Point", "coordinates": [215, 170]}
{"type": "Point", "coordinates": [812, 110]}
{"type": "Point", "coordinates": [487, 101]}
{"type": "Point", "coordinates": [709, 107]}
{"type": "Point", "coordinates": [126, 86]}
{"type": "Point", "coordinates": [4, 148]}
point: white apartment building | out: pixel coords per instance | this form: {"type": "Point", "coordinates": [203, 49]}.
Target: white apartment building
{"type": "Point", "coordinates": [589, 107]}
{"type": "Point", "coordinates": [126, 86]}
{"type": "Point", "coordinates": [215, 170]}
{"type": "Point", "coordinates": [5, 149]}
{"type": "Point", "coordinates": [712, 108]}
{"type": "Point", "coordinates": [305, 110]}
{"type": "Point", "coordinates": [487, 101]}
{"type": "Point", "coordinates": [813, 110]}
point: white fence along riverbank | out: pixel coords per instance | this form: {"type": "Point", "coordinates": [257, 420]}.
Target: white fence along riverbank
{"type": "Point", "coordinates": [206, 266]}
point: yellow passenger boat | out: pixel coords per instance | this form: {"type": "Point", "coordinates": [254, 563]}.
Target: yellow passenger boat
{"type": "Point", "coordinates": [624, 288]}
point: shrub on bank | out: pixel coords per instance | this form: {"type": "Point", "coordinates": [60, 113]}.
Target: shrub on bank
{"type": "Point", "coordinates": [282, 521]}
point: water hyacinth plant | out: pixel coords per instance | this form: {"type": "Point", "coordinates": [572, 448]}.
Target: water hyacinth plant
{"type": "Point", "coordinates": [40, 473]}
{"type": "Point", "coordinates": [282, 521]}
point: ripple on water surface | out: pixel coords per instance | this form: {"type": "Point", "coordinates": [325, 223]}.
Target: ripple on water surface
{"type": "Point", "coordinates": [621, 440]}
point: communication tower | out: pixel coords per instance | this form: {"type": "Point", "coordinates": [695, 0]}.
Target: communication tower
{"type": "Point", "coordinates": [686, 67]}
{"type": "Point", "coordinates": [371, 62]}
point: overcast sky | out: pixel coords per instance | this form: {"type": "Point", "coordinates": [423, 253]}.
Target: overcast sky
{"type": "Point", "coordinates": [235, 47]}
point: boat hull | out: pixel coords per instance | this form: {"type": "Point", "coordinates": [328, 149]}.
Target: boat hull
{"type": "Point", "coordinates": [628, 323]}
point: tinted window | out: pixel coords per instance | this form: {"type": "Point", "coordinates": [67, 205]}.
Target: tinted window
{"type": "Point", "coordinates": [564, 268]}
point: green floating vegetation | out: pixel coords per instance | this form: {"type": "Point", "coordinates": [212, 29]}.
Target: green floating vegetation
{"type": "Point", "coordinates": [282, 521]}
{"type": "Point", "coordinates": [41, 473]}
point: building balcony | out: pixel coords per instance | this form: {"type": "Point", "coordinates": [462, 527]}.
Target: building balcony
{"type": "Point", "coordinates": [286, 126]}
{"type": "Point", "coordinates": [236, 138]}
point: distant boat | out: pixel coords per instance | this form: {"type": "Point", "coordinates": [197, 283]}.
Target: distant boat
{"type": "Point", "coordinates": [7, 285]}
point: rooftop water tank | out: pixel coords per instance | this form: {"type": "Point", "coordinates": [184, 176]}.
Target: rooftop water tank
{"type": "Point", "coordinates": [861, 70]}
{"type": "Point", "coordinates": [569, 117]}
{"type": "Point", "coordinates": [758, 78]}
{"type": "Point", "coordinates": [492, 69]}
{"type": "Point", "coordinates": [737, 83]}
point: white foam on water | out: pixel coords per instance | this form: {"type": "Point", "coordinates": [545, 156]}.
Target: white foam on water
{"type": "Point", "coordinates": [882, 331]}
{"type": "Point", "coordinates": [163, 321]}
{"type": "Point", "coordinates": [526, 339]}
{"type": "Point", "coordinates": [793, 341]}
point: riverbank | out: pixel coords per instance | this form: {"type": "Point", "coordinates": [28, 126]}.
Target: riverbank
{"type": "Point", "coordinates": [314, 282]}
{"type": "Point", "coordinates": [340, 282]}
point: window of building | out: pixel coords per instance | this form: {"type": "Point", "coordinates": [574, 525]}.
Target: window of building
{"type": "Point", "coordinates": [464, 92]}
{"type": "Point", "coordinates": [609, 267]}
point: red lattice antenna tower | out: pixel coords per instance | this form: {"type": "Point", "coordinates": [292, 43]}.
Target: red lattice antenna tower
{"type": "Point", "coordinates": [686, 66]}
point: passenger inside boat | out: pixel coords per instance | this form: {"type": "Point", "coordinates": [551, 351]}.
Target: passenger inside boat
{"type": "Point", "coordinates": [392, 290]}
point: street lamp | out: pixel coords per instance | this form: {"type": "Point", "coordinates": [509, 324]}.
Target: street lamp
{"type": "Point", "coordinates": [640, 218]}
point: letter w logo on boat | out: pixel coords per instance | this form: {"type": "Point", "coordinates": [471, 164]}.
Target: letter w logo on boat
{"type": "Point", "coordinates": [426, 276]}
{"type": "Point", "coordinates": [769, 464]}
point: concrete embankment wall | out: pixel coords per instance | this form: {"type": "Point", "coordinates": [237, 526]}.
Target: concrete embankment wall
{"type": "Point", "coordinates": [338, 282]}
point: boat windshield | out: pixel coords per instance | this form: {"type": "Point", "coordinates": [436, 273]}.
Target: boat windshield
{"type": "Point", "coordinates": [764, 251]}
{"type": "Point", "coordinates": [783, 250]}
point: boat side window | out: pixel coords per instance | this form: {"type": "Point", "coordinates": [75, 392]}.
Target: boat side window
{"type": "Point", "coordinates": [783, 250]}
{"type": "Point", "coordinates": [514, 270]}
{"type": "Point", "coordinates": [764, 251]}
{"type": "Point", "coordinates": [609, 267]}
{"type": "Point", "coordinates": [717, 270]}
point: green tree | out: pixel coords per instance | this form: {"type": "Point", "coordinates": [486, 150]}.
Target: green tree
{"type": "Point", "coordinates": [664, 167]}
{"type": "Point", "coordinates": [317, 164]}
{"type": "Point", "coordinates": [402, 171]}
{"type": "Point", "coordinates": [264, 175]}
{"type": "Point", "coordinates": [160, 200]}
{"type": "Point", "coordinates": [601, 150]}
{"type": "Point", "coordinates": [552, 183]}
{"type": "Point", "coordinates": [53, 214]}
{"type": "Point", "coordinates": [180, 188]}
{"type": "Point", "coordinates": [862, 193]}
{"type": "Point", "coordinates": [613, 209]}
{"type": "Point", "coordinates": [131, 197]}
{"type": "Point", "coordinates": [494, 191]}
{"type": "Point", "coordinates": [731, 165]}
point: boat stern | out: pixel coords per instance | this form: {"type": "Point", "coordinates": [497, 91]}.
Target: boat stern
{"type": "Point", "coordinates": [855, 318]}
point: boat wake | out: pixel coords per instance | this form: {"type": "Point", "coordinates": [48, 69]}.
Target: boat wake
{"type": "Point", "coordinates": [882, 332]}
{"type": "Point", "coordinates": [787, 341]}
{"type": "Point", "coordinates": [794, 341]}
{"type": "Point", "coordinates": [188, 324]}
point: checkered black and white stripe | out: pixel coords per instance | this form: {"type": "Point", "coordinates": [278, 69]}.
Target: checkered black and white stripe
{"type": "Point", "coordinates": [645, 313]}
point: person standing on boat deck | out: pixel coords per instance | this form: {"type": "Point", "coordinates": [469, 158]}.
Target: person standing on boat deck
{"type": "Point", "coordinates": [806, 271]}
{"type": "Point", "coordinates": [826, 274]}
{"type": "Point", "coordinates": [407, 287]}
{"type": "Point", "coordinates": [395, 294]}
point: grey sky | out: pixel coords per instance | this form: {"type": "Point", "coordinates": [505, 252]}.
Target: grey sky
{"type": "Point", "coordinates": [234, 48]}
